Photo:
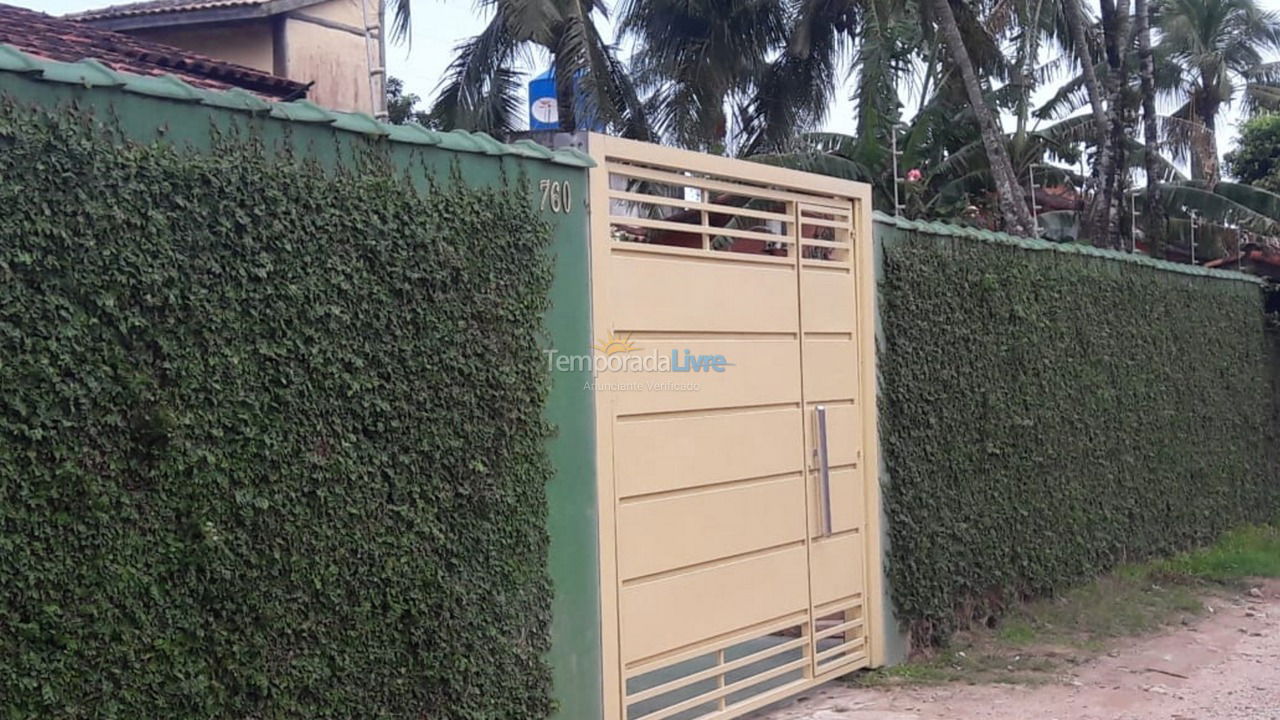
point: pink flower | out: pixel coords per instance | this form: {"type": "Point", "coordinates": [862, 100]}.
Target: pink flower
{"type": "Point", "coordinates": [914, 175]}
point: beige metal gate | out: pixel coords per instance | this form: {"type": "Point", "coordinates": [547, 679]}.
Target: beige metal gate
{"type": "Point", "coordinates": [736, 427]}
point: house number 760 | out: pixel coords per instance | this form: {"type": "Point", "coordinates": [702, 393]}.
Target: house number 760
{"type": "Point", "coordinates": [555, 195]}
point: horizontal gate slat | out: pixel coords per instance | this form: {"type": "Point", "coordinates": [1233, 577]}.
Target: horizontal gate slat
{"type": "Point", "coordinates": [672, 612]}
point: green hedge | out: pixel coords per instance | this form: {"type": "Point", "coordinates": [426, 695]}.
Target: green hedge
{"type": "Point", "coordinates": [271, 442]}
{"type": "Point", "coordinates": [1048, 415]}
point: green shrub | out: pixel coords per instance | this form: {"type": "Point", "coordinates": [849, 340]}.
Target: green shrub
{"type": "Point", "coordinates": [1049, 415]}
{"type": "Point", "coordinates": [271, 442]}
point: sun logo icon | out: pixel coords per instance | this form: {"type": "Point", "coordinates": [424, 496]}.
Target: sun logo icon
{"type": "Point", "coordinates": [616, 344]}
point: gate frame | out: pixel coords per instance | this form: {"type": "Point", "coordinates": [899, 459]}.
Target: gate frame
{"type": "Point", "coordinates": [603, 148]}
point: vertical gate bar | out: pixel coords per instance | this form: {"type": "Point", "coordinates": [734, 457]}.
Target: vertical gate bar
{"type": "Point", "coordinates": [875, 617]}
{"type": "Point", "coordinates": [810, 626]}
{"type": "Point", "coordinates": [720, 678]}
{"type": "Point", "coordinates": [824, 465]}
{"type": "Point", "coordinates": [601, 245]}
{"type": "Point", "coordinates": [706, 223]}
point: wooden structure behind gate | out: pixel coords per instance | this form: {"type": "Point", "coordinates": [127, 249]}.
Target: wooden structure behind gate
{"type": "Point", "coordinates": [739, 500]}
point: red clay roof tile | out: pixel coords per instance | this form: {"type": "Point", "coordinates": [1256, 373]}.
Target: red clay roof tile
{"type": "Point", "coordinates": [149, 7]}
{"type": "Point", "coordinates": [68, 41]}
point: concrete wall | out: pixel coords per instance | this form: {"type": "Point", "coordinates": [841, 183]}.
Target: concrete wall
{"type": "Point", "coordinates": [245, 43]}
{"type": "Point", "coordinates": [325, 43]}
{"type": "Point", "coordinates": [322, 43]}
{"type": "Point", "coordinates": [346, 12]}
{"type": "Point", "coordinates": [334, 59]}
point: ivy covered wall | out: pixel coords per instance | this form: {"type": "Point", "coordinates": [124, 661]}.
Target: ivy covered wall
{"type": "Point", "coordinates": [274, 427]}
{"type": "Point", "coordinates": [1049, 413]}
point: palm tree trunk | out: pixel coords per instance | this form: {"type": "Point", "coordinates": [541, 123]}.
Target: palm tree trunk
{"type": "Point", "coordinates": [1028, 57]}
{"type": "Point", "coordinates": [1207, 143]}
{"type": "Point", "coordinates": [1094, 224]}
{"type": "Point", "coordinates": [1154, 208]}
{"type": "Point", "coordinates": [1116, 31]}
{"type": "Point", "coordinates": [1013, 206]}
{"type": "Point", "coordinates": [1121, 128]}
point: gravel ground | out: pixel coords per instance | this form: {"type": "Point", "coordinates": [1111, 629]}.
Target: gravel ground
{"type": "Point", "coordinates": [1224, 667]}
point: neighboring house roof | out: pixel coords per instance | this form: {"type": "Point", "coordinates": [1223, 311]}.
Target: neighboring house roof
{"type": "Point", "coordinates": [177, 12]}
{"type": "Point", "coordinates": [158, 6]}
{"type": "Point", "coordinates": [1058, 197]}
{"type": "Point", "coordinates": [1260, 260]}
{"type": "Point", "coordinates": [151, 7]}
{"type": "Point", "coordinates": [56, 39]}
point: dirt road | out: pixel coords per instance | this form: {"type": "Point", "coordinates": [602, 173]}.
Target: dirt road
{"type": "Point", "coordinates": [1224, 667]}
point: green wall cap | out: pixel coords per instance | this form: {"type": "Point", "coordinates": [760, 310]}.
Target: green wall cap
{"type": "Point", "coordinates": [166, 86]}
{"type": "Point", "coordinates": [460, 140]}
{"type": "Point", "coordinates": [302, 111]}
{"type": "Point", "coordinates": [998, 238]}
{"type": "Point", "coordinates": [89, 73]}
{"type": "Point", "coordinates": [487, 144]}
{"type": "Point", "coordinates": [361, 123]}
{"type": "Point", "coordinates": [13, 61]}
{"type": "Point", "coordinates": [533, 149]}
{"type": "Point", "coordinates": [414, 134]}
{"type": "Point", "coordinates": [93, 74]}
{"type": "Point", "coordinates": [235, 99]}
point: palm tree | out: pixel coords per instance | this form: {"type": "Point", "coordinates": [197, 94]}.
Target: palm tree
{"type": "Point", "coordinates": [693, 58]}
{"type": "Point", "coordinates": [1033, 25]}
{"type": "Point", "coordinates": [1217, 44]}
{"type": "Point", "coordinates": [1013, 206]}
{"type": "Point", "coordinates": [1097, 221]}
{"type": "Point", "coordinates": [740, 76]}
{"type": "Point", "coordinates": [480, 90]}
{"type": "Point", "coordinates": [1150, 130]}
{"type": "Point", "coordinates": [797, 87]}
{"type": "Point", "coordinates": [749, 76]}
{"type": "Point", "coordinates": [1116, 45]}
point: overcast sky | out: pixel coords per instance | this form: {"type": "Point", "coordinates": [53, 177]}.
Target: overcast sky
{"type": "Point", "coordinates": [438, 25]}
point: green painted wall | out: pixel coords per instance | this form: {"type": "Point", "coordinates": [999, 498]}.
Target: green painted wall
{"type": "Point", "coordinates": [897, 645]}
{"type": "Point", "coordinates": [575, 623]}
{"type": "Point", "coordinates": [571, 521]}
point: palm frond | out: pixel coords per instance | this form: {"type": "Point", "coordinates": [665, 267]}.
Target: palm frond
{"type": "Point", "coordinates": [984, 48]}
{"type": "Point", "coordinates": [401, 20]}
{"type": "Point", "coordinates": [693, 56]}
{"type": "Point", "coordinates": [820, 163]}
{"type": "Point", "coordinates": [631, 113]}
{"type": "Point", "coordinates": [827, 142]}
{"type": "Point", "coordinates": [1070, 97]}
{"type": "Point", "coordinates": [1256, 199]}
{"type": "Point", "coordinates": [795, 90]}
{"type": "Point", "coordinates": [479, 90]}
{"type": "Point", "coordinates": [1181, 199]}
{"type": "Point", "coordinates": [1261, 94]}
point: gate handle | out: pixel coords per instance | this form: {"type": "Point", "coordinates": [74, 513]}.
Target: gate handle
{"type": "Point", "coordinates": [824, 469]}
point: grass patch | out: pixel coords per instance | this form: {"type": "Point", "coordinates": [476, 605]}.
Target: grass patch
{"type": "Point", "coordinates": [1128, 602]}
{"type": "Point", "coordinates": [1038, 640]}
{"type": "Point", "coordinates": [1252, 551]}
{"type": "Point", "coordinates": [976, 663]}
